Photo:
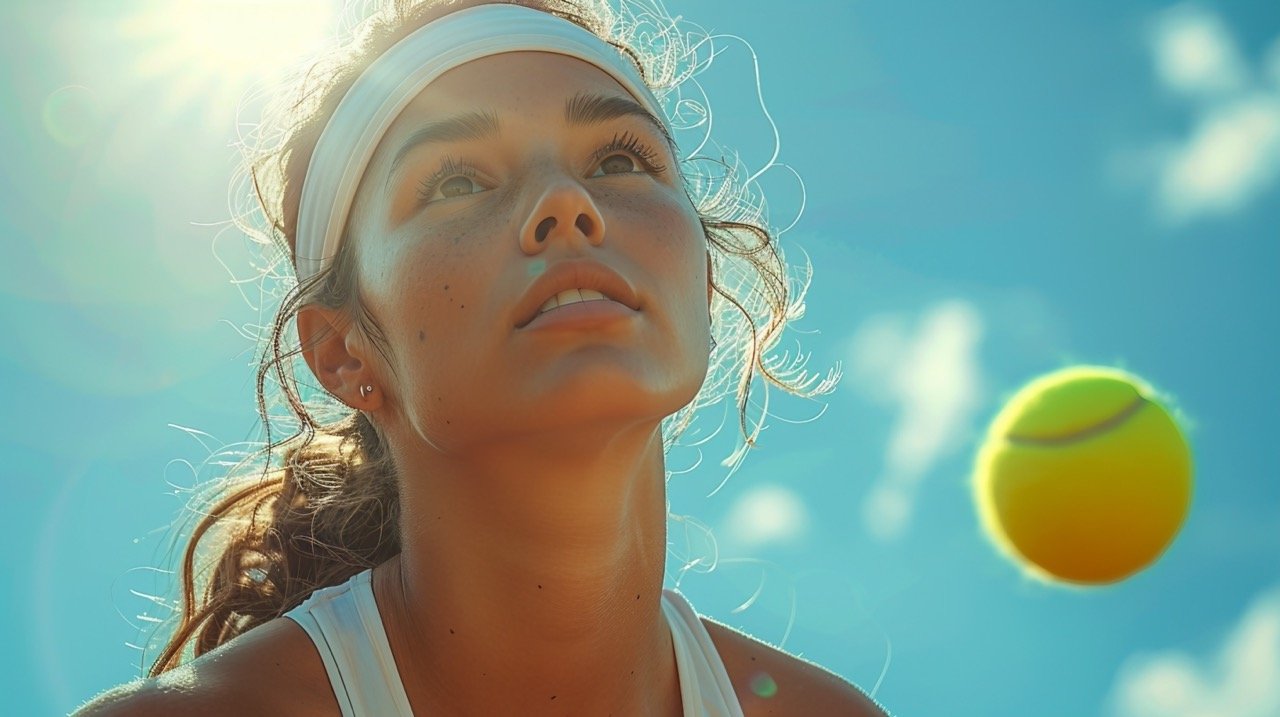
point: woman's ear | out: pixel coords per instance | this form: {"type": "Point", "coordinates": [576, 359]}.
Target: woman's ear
{"type": "Point", "coordinates": [331, 348]}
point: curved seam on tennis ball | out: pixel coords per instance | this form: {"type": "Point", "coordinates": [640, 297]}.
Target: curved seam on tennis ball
{"type": "Point", "coordinates": [1084, 434]}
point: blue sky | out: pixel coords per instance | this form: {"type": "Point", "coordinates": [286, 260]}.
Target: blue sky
{"type": "Point", "coordinates": [993, 190]}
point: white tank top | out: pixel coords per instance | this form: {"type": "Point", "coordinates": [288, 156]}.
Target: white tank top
{"type": "Point", "coordinates": [344, 624]}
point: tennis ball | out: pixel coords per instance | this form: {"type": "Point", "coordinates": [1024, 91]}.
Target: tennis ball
{"type": "Point", "coordinates": [1083, 476]}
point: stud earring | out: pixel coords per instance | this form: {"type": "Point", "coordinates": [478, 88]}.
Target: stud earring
{"type": "Point", "coordinates": [366, 390]}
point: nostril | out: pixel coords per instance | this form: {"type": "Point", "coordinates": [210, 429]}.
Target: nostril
{"type": "Point", "coordinates": [584, 224]}
{"type": "Point", "coordinates": [544, 228]}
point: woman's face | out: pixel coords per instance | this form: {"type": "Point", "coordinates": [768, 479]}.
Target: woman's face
{"type": "Point", "coordinates": [454, 224]}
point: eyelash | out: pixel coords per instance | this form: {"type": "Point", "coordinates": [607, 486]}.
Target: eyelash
{"type": "Point", "coordinates": [449, 168]}
{"type": "Point", "coordinates": [632, 144]}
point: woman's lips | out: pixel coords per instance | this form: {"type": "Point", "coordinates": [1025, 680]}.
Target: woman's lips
{"type": "Point", "coordinates": [581, 315]}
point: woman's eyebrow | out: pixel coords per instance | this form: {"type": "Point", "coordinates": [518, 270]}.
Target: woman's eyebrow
{"type": "Point", "coordinates": [582, 109]}
{"type": "Point", "coordinates": [586, 108]}
{"type": "Point", "coordinates": [469, 126]}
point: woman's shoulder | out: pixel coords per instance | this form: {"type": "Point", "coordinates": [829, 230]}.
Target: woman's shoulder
{"type": "Point", "coordinates": [803, 688]}
{"type": "Point", "coordinates": [273, 669]}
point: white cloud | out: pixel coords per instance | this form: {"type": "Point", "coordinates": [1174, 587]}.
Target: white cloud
{"type": "Point", "coordinates": [1194, 53]}
{"type": "Point", "coordinates": [766, 514]}
{"type": "Point", "coordinates": [931, 378]}
{"type": "Point", "coordinates": [886, 511]}
{"type": "Point", "coordinates": [1241, 680]}
{"type": "Point", "coordinates": [1232, 156]}
{"type": "Point", "coordinates": [1232, 153]}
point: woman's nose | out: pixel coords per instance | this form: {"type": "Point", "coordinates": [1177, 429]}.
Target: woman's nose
{"type": "Point", "coordinates": [565, 208]}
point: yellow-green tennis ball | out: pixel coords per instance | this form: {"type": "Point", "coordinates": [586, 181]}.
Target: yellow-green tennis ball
{"type": "Point", "coordinates": [1084, 477]}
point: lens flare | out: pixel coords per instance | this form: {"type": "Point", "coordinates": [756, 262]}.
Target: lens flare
{"type": "Point", "coordinates": [763, 685]}
{"type": "Point", "coordinates": [70, 115]}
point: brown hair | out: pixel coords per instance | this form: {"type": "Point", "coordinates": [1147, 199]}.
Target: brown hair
{"type": "Point", "coordinates": [271, 536]}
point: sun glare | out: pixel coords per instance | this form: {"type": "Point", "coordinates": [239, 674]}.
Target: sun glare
{"type": "Point", "coordinates": [210, 51]}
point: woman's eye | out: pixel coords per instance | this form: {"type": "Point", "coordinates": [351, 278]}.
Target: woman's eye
{"type": "Point", "coordinates": [617, 164]}
{"type": "Point", "coordinates": [458, 186]}
{"type": "Point", "coordinates": [627, 154]}
{"type": "Point", "coordinates": [452, 179]}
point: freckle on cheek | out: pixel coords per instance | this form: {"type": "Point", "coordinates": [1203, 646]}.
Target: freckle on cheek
{"type": "Point", "coordinates": [422, 335]}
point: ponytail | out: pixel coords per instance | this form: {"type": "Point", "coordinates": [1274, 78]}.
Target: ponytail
{"type": "Point", "coordinates": [329, 513]}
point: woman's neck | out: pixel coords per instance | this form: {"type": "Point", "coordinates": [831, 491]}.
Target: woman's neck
{"type": "Point", "coordinates": [529, 586]}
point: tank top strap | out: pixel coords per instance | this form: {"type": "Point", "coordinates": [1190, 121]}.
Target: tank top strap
{"type": "Point", "coordinates": [344, 624]}
{"type": "Point", "coordinates": [705, 687]}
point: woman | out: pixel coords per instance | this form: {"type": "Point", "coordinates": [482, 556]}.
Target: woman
{"type": "Point", "coordinates": [485, 533]}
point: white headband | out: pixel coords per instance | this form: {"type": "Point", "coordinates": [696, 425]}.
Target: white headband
{"type": "Point", "coordinates": [384, 89]}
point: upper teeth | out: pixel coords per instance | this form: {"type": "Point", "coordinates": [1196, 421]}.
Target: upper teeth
{"type": "Point", "coordinates": [572, 296]}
